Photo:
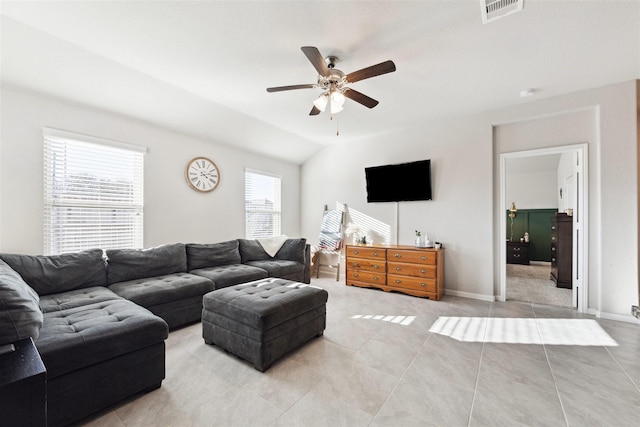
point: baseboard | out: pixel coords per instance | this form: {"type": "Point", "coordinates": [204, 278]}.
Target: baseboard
{"type": "Point", "coordinates": [481, 297]}
{"type": "Point", "coordinates": [612, 316]}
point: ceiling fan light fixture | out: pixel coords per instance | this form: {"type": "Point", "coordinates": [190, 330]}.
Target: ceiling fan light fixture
{"type": "Point", "coordinates": [322, 101]}
{"type": "Point", "coordinates": [337, 101]}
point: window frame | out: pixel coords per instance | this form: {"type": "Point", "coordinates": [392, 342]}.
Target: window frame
{"type": "Point", "coordinates": [275, 213]}
{"type": "Point", "coordinates": [58, 197]}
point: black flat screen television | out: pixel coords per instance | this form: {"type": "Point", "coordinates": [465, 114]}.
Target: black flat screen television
{"type": "Point", "coordinates": [399, 182]}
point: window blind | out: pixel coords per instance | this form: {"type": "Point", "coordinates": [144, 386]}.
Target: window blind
{"type": "Point", "coordinates": [93, 193]}
{"type": "Point", "coordinates": [262, 205]}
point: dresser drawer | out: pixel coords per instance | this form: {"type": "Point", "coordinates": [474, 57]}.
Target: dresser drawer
{"type": "Point", "coordinates": [367, 276]}
{"type": "Point", "coordinates": [409, 256]}
{"type": "Point", "coordinates": [364, 252]}
{"type": "Point", "coordinates": [417, 270]}
{"type": "Point", "coordinates": [414, 283]}
{"type": "Point", "coordinates": [367, 264]}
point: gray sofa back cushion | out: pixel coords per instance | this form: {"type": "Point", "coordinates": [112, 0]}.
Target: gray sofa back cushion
{"type": "Point", "coordinates": [212, 255]}
{"type": "Point", "coordinates": [131, 264]}
{"type": "Point", "coordinates": [252, 250]}
{"type": "Point", "coordinates": [20, 315]}
{"type": "Point", "coordinates": [60, 273]}
{"type": "Point", "coordinates": [292, 250]}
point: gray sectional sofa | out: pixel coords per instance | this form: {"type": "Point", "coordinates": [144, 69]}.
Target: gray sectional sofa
{"type": "Point", "coordinates": [99, 318]}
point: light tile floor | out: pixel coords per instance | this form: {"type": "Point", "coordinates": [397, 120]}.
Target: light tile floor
{"type": "Point", "coordinates": [377, 369]}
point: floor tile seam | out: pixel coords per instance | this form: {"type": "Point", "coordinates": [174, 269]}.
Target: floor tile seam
{"type": "Point", "coordinates": [475, 388]}
{"type": "Point", "coordinates": [400, 378]}
{"type": "Point", "coordinates": [637, 386]}
{"type": "Point", "coordinates": [553, 376]}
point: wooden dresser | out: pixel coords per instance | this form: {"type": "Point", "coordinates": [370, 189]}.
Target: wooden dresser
{"type": "Point", "coordinates": [406, 269]}
{"type": "Point", "coordinates": [562, 251]}
{"type": "Point", "coordinates": [517, 253]}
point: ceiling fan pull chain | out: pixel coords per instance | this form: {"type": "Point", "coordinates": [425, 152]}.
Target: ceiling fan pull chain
{"type": "Point", "coordinates": [338, 126]}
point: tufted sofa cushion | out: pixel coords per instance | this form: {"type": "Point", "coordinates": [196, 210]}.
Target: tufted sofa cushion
{"type": "Point", "coordinates": [278, 267]}
{"type": "Point", "coordinates": [229, 275]}
{"type": "Point", "coordinates": [212, 255]}
{"type": "Point", "coordinates": [151, 291]}
{"type": "Point", "coordinates": [59, 273]}
{"type": "Point", "coordinates": [130, 264]}
{"type": "Point", "coordinates": [82, 336]}
{"type": "Point", "coordinates": [20, 315]}
{"type": "Point", "coordinates": [75, 298]}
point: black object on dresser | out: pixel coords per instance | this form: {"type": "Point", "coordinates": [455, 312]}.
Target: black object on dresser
{"type": "Point", "coordinates": [22, 386]}
{"type": "Point", "coordinates": [518, 253]}
{"type": "Point", "coordinates": [562, 250]}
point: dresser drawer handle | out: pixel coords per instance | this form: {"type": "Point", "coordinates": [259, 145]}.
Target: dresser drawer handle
{"type": "Point", "coordinates": [424, 285]}
{"type": "Point", "coordinates": [355, 264]}
{"type": "Point", "coordinates": [516, 249]}
{"type": "Point", "coordinates": [423, 257]}
{"type": "Point", "coordinates": [398, 268]}
{"type": "Point", "coordinates": [375, 266]}
{"type": "Point", "coordinates": [355, 274]}
{"type": "Point", "coordinates": [398, 281]}
{"type": "Point", "coordinates": [356, 252]}
{"type": "Point", "coordinates": [376, 254]}
{"type": "Point", "coordinates": [376, 278]}
{"type": "Point", "coordinates": [423, 271]}
{"type": "Point", "coordinates": [398, 255]}
{"type": "Point", "coordinates": [516, 255]}
{"type": "Point", "coordinates": [553, 249]}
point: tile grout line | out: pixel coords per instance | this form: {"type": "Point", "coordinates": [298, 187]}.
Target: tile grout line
{"type": "Point", "coordinates": [637, 386]}
{"type": "Point", "coordinates": [546, 355]}
{"type": "Point", "coordinates": [405, 372]}
{"type": "Point", "coordinates": [475, 388]}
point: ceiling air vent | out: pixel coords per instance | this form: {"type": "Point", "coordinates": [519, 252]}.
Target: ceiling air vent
{"type": "Point", "coordinates": [496, 9]}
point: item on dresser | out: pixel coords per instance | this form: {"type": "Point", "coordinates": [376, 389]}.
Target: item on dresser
{"type": "Point", "coordinates": [413, 271]}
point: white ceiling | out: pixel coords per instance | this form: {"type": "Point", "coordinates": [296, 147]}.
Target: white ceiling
{"type": "Point", "coordinates": [201, 68]}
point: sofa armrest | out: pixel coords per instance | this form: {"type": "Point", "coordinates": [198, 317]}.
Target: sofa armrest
{"type": "Point", "coordinates": [307, 263]}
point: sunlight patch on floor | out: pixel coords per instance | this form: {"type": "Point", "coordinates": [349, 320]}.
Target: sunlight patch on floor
{"type": "Point", "coordinates": [401, 320]}
{"type": "Point", "coordinates": [583, 332]}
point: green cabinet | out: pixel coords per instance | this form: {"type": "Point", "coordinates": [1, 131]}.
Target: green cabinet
{"type": "Point", "coordinates": [536, 222]}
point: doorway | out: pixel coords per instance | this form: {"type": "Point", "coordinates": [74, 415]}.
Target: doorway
{"type": "Point", "coordinates": [567, 183]}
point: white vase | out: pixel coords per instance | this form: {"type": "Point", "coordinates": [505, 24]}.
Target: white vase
{"type": "Point", "coordinates": [419, 242]}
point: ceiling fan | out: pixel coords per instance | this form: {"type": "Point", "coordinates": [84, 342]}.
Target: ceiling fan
{"type": "Point", "coordinates": [334, 82]}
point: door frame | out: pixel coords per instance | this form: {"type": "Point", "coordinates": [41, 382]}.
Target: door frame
{"type": "Point", "coordinates": [580, 279]}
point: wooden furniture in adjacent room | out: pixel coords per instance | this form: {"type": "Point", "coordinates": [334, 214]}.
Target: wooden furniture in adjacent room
{"type": "Point", "coordinates": [517, 253]}
{"type": "Point", "coordinates": [406, 269]}
{"type": "Point", "coordinates": [562, 250]}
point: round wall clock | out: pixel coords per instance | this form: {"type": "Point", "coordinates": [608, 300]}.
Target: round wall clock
{"type": "Point", "coordinates": [202, 174]}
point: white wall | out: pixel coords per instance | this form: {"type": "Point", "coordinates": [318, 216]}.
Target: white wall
{"type": "Point", "coordinates": [565, 170]}
{"type": "Point", "coordinates": [173, 211]}
{"type": "Point", "coordinates": [465, 212]}
{"type": "Point", "coordinates": [459, 215]}
{"type": "Point", "coordinates": [532, 190]}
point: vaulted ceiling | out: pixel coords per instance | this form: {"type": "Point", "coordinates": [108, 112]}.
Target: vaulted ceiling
{"type": "Point", "coordinates": [201, 68]}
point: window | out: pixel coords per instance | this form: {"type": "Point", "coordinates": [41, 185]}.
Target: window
{"type": "Point", "coordinates": [261, 205]}
{"type": "Point", "coordinates": [93, 193]}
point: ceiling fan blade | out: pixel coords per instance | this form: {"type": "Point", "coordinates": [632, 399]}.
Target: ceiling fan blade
{"type": "Point", "coordinates": [374, 70]}
{"type": "Point", "coordinates": [360, 98]}
{"type": "Point", "coordinates": [292, 87]}
{"type": "Point", "coordinates": [316, 59]}
{"type": "Point", "coordinates": [314, 111]}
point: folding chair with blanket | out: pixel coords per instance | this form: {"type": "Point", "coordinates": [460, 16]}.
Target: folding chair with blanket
{"type": "Point", "coordinates": [331, 236]}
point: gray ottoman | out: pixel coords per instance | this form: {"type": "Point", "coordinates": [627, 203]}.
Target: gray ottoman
{"type": "Point", "coordinates": [260, 321]}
